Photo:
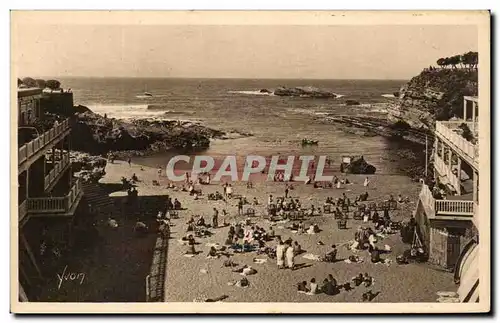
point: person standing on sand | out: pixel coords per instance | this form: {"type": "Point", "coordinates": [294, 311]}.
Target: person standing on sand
{"type": "Point", "coordinates": [215, 218]}
{"type": "Point", "coordinates": [129, 160]}
{"type": "Point", "coordinates": [240, 206]}
{"type": "Point", "coordinates": [286, 190]}
{"type": "Point", "coordinates": [280, 254]}
{"type": "Point", "coordinates": [367, 181]}
{"type": "Point", "coordinates": [290, 256]}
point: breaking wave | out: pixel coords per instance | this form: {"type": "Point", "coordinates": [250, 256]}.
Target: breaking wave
{"type": "Point", "coordinates": [128, 111]}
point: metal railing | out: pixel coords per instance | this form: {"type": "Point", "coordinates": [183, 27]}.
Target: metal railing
{"type": "Point", "coordinates": [445, 207]}
{"type": "Point", "coordinates": [58, 168]}
{"type": "Point", "coordinates": [35, 145]}
{"type": "Point", "coordinates": [61, 204]}
{"type": "Point", "coordinates": [444, 128]}
{"type": "Point", "coordinates": [455, 207]}
{"type": "Point", "coordinates": [444, 170]}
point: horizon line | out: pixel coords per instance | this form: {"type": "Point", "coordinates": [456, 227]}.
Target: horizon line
{"type": "Point", "coordinates": [218, 78]}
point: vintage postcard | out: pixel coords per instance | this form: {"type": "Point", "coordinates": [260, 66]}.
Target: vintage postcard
{"type": "Point", "coordinates": [263, 162]}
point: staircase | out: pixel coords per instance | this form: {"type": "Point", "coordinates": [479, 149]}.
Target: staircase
{"type": "Point", "coordinates": [98, 197]}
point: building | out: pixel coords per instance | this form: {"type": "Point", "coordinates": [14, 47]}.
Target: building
{"type": "Point", "coordinates": [48, 194]}
{"type": "Point", "coordinates": [447, 210]}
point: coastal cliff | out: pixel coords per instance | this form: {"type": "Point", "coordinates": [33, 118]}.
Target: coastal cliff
{"type": "Point", "coordinates": [434, 94]}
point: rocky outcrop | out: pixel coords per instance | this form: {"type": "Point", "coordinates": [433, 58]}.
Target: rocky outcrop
{"type": "Point", "coordinates": [351, 102]}
{"type": "Point", "coordinates": [87, 167]}
{"type": "Point", "coordinates": [358, 165]}
{"type": "Point", "coordinates": [305, 92]}
{"type": "Point", "coordinates": [265, 91]}
{"type": "Point", "coordinates": [435, 94]}
{"type": "Point", "coordinates": [98, 135]}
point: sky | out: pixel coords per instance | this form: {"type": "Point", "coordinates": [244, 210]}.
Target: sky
{"type": "Point", "coordinates": [245, 51]}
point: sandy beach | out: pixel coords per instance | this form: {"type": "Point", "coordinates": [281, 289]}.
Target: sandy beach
{"type": "Point", "coordinates": [198, 277]}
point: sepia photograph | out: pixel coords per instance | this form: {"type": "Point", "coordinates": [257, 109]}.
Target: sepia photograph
{"type": "Point", "coordinates": [262, 161]}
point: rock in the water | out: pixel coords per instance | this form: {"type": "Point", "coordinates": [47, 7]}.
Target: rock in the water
{"type": "Point", "coordinates": [305, 92]}
{"type": "Point", "coordinates": [265, 91]}
{"type": "Point", "coordinates": [351, 102]}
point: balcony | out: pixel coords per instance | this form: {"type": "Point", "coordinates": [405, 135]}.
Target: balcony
{"type": "Point", "coordinates": [59, 168]}
{"type": "Point", "coordinates": [53, 206]}
{"type": "Point", "coordinates": [448, 131]}
{"type": "Point", "coordinates": [446, 209]}
{"type": "Point", "coordinates": [38, 144]}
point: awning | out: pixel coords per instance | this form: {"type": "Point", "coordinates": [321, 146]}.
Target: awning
{"type": "Point", "coordinates": [468, 273]}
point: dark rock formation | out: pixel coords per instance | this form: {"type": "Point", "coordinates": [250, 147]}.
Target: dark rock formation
{"type": "Point", "coordinates": [98, 135]}
{"type": "Point", "coordinates": [307, 92]}
{"type": "Point", "coordinates": [351, 102]}
{"type": "Point", "coordinates": [358, 165]}
{"type": "Point", "coordinates": [265, 91]}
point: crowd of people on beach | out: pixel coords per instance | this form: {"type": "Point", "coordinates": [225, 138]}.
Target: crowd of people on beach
{"type": "Point", "coordinates": [246, 236]}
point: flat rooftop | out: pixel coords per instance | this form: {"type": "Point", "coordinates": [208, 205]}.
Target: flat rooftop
{"type": "Point", "coordinates": [28, 91]}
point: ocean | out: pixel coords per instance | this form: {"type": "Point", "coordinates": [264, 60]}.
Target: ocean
{"type": "Point", "coordinates": [278, 124]}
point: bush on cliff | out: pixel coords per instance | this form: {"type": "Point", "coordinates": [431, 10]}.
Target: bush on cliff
{"type": "Point", "coordinates": [29, 82]}
{"type": "Point", "coordinates": [53, 84]}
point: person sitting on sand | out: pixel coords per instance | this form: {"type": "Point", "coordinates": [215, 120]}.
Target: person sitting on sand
{"type": "Point", "coordinates": [302, 287]}
{"type": "Point", "coordinates": [331, 256]}
{"type": "Point", "coordinates": [140, 227]}
{"type": "Point", "coordinates": [218, 196]}
{"type": "Point", "coordinates": [375, 255]}
{"type": "Point", "coordinates": [212, 253]}
{"type": "Point", "coordinates": [313, 287]}
{"type": "Point", "coordinates": [297, 249]}
{"type": "Point", "coordinates": [177, 204]}
{"type": "Point", "coordinates": [326, 287]}
{"type": "Point", "coordinates": [391, 198]}
{"type": "Point", "coordinates": [239, 231]}
{"type": "Point", "coordinates": [358, 280]}
{"type": "Point", "coordinates": [313, 229]}
{"type": "Point", "coordinates": [229, 240]}
{"type": "Point", "coordinates": [400, 198]}
{"type": "Point", "coordinates": [134, 178]}
{"type": "Point", "coordinates": [255, 202]}
{"type": "Point", "coordinates": [367, 280]}
{"type": "Point", "coordinates": [300, 228]}
{"type": "Point", "coordinates": [200, 222]}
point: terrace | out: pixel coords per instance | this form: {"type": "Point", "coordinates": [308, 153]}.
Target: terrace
{"type": "Point", "coordinates": [36, 147]}
{"type": "Point", "coordinates": [460, 207]}
{"type": "Point", "coordinates": [450, 133]}
{"type": "Point", "coordinates": [52, 206]}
